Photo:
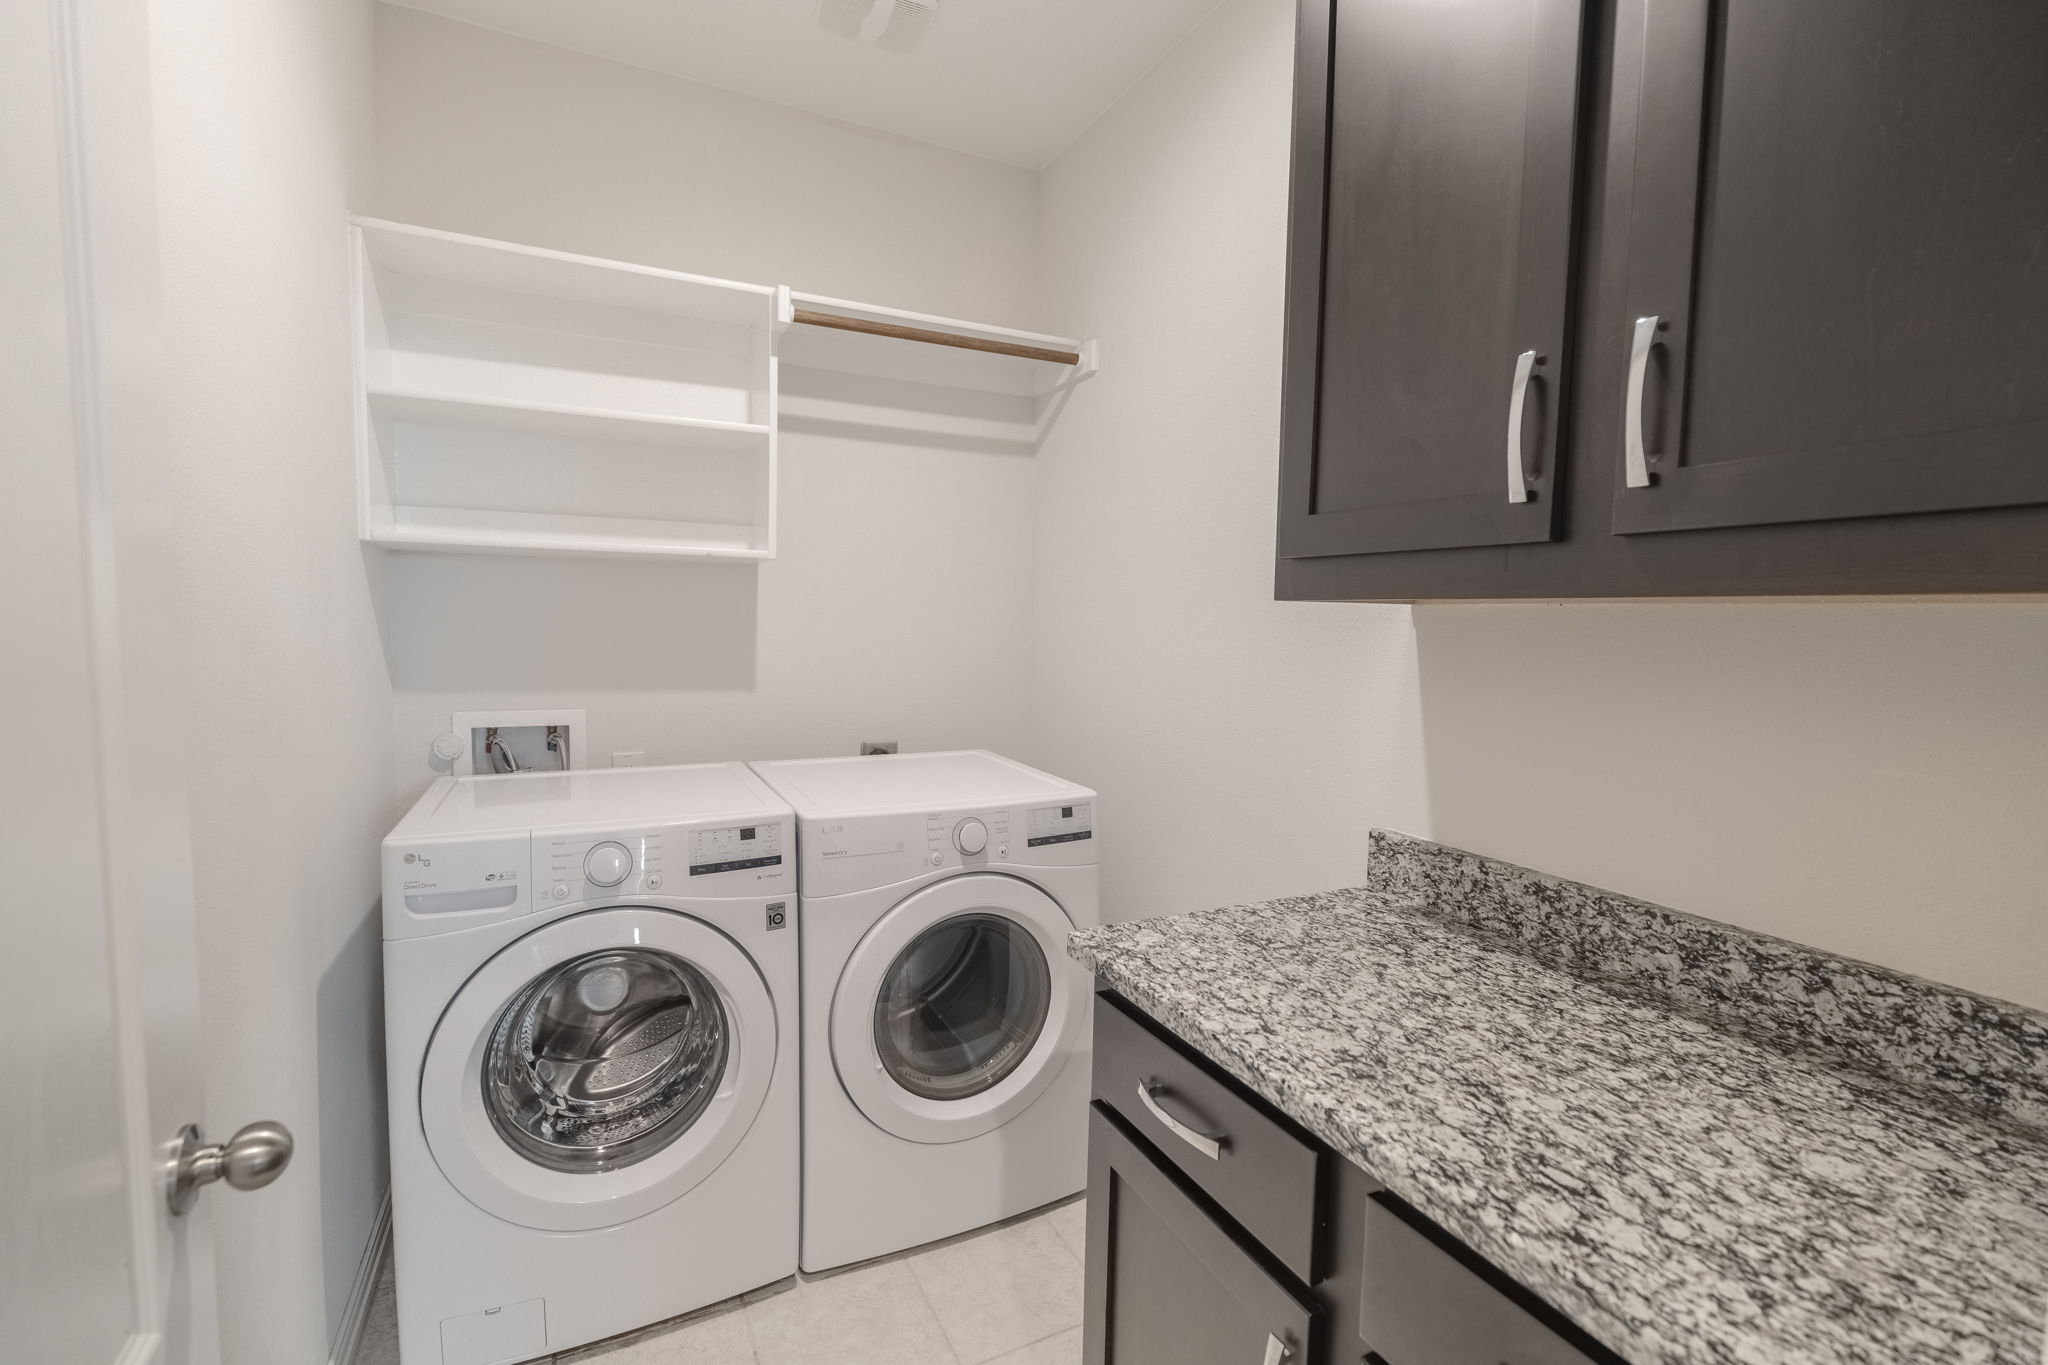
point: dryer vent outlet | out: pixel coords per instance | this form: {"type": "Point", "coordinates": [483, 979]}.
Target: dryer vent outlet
{"type": "Point", "coordinates": [877, 746]}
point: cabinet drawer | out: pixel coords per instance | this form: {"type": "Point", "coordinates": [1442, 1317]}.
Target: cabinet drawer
{"type": "Point", "coordinates": [1168, 1282]}
{"type": "Point", "coordinates": [1239, 1152]}
{"type": "Point", "coordinates": [1429, 1300]}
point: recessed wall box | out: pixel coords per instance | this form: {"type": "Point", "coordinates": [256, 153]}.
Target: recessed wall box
{"type": "Point", "coordinates": [518, 741]}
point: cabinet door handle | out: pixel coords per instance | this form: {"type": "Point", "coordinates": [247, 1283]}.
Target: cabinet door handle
{"type": "Point", "coordinates": [1638, 465]}
{"type": "Point", "coordinates": [1211, 1147]}
{"type": "Point", "coordinates": [1276, 1350]}
{"type": "Point", "coordinates": [1518, 475]}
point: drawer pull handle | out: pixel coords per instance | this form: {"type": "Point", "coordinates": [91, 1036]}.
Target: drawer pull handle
{"type": "Point", "coordinates": [1211, 1147]}
{"type": "Point", "coordinates": [1518, 477]}
{"type": "Point", "coordinates": [1276, 1350]}
{"type": "Point", "coordinates": [1637, 463]}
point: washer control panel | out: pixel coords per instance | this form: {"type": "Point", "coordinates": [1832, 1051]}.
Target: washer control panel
{"type": "Point", "coordinates": [608, 864]}
{"type": "Point", "coordinates": [735, 848]}
{"type": "Point", "coordinates": [578, 867]}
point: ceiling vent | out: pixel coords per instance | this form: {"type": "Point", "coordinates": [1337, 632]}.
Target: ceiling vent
{"type": "Point", "coordinates": [892, 25]}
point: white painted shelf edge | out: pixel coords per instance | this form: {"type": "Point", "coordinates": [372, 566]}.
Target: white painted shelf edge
{"type": "Point", "coordinates": [562, 419]}
{"type": "Point", "coordinates": [482, 532]}
{"type": "Point", "coordinates": [517, 259]}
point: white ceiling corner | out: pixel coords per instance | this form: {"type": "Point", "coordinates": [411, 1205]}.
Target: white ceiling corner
{"type": "Point", "coordinates": [1016, 80]}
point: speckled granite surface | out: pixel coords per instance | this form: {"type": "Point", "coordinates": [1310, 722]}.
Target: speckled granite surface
{"type": "Point", "coordinates": [1989, 1054]}
{"type": "Point", "coordinates": [1686, 1192]}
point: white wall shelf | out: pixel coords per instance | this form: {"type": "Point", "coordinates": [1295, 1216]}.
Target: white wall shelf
{"type": "Point", "coordinates": [856, 383]}
{"type": "Point", "coordinates": [519, 400]}
{"type": "Point", "coordinates": [546, 533]}
{"type": "Point", "coordinates": [495, 414]}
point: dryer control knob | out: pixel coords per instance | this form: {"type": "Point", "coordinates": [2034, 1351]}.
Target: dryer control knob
{"type": "Point", "coordinates": [970, 836]}
{"type": "Point", "coordinates": [608, 864]}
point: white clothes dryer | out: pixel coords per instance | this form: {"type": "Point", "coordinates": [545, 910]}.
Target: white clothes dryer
{"type": "Point", "coordinates": [590, 986]}
{"type": "Point", "coordinates": [946, 1031]}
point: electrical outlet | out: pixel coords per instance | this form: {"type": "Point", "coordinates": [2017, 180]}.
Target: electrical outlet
{"type": "Point", "coordinates": [629, 760]}
{"type": "Point", "coordinates": [877, 746]}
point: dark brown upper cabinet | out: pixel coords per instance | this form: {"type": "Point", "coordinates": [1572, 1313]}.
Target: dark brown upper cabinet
{"type": "Point", "coordinates": [1428, 316]}
{"type": "Point", "coordinates": [1837, 259]}
{"type": "Point", "coordinates": [1798, 283]}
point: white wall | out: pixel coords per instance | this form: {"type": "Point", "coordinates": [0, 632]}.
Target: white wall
{"type": "Point", "coordinates": [899, 605]}
{"type": "Point", "coordinates": [262, 125]}
{"type": "Point", "coordinates": [1868, 777]}
{"type": "Point", "coordinates": [1244, 746]}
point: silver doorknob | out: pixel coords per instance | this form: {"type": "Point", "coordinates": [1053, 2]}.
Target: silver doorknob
{"type": "Point", "coordinates": [249, 1160]}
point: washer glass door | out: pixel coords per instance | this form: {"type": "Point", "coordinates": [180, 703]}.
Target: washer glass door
{"type": "Point", "coordinates": [598, 1067]}
{"type": "Point", "coordinates": [962, 1006]}
{"type": "Point", "coordinates": [606, 1059]}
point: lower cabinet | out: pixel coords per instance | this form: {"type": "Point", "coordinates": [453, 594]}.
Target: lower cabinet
{"type": "Point", "coordinates": [1222, 1233]}
{"type": "Point", "coordinates": [1169, 1282]}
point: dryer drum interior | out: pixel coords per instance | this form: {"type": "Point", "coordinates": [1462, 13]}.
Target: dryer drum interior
{"type": "Point", "coordinates": [961, 1007]}
{"type": "Point", "coordinates": [602, 1061]}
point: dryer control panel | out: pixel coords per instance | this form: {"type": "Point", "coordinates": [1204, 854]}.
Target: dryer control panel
{"type": "Point", "coordinates": [858, 852]}
{"type": "Point", "coordinates": [1059, 824]}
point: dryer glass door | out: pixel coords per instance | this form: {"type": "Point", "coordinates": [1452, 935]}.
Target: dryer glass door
{"type": "Point", "coordinates": [962, 1006]}
{"type": "Point", "coordinates": [958, 1007]}
{"type": "Point", "coordinates": [604, 1060]}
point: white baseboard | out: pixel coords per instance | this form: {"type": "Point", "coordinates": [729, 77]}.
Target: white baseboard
{"type": "Point", "coordinates": [349, 1335]}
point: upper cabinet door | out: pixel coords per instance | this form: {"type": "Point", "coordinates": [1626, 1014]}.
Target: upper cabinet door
{"type": "Point", "coordinates": [1837, 281]}
{"type": "Point", "coordinates": [1429, 273]}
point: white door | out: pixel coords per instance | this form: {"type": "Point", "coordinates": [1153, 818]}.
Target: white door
{"type": "Point", "coordinates": [96, 975]}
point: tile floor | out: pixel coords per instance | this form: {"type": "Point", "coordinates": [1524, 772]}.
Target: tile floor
{"type": "Point", "coordinates": [1006, 1295]}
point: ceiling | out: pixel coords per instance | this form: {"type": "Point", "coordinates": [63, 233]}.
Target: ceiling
{"type": "Point", "coordinates": [1016, 80]}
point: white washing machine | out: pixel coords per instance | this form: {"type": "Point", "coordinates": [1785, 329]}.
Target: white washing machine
{"type": "Point", "coordinates": [946, 1031]}
{"type": "Point", "coordinates": [590, 985]}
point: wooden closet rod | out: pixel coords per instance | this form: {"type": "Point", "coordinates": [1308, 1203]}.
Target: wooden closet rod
{"type": "Point", "coordinates": [965, 343]}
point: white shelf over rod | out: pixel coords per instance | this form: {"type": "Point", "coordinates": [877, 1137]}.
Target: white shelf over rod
{"type": "Point", "coordinates": [1024, 393]}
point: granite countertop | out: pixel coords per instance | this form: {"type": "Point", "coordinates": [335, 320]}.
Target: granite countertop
{"type": "Point", "coordinates": [1703, 1145]}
